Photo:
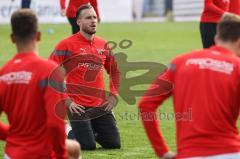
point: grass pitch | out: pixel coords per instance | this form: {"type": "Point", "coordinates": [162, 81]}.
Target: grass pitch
{"type": "Point", "coordinates": [152, 42]}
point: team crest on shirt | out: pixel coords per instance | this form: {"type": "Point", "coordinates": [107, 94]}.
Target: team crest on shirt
{"type": "Point", "coordinates": [83, 50]}
{"type": "Point", "coordinates": [100, 51]}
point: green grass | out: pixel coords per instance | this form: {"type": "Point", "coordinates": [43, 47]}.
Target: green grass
{"type": "Point", "coordinates": [152, 42]}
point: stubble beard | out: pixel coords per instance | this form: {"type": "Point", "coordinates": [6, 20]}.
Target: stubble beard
{"type": "Point", "coordinates": [88, 31]}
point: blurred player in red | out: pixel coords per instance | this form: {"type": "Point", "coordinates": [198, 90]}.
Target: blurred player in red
{"type": "Point", "coordinates": [205, 92]}
{"type": "Point", "coordinates": [71, 10]}
{"type": "Point", "coordinates": [212, 12]}
{"type": "Point", "coordinates": [234, 7]}
{"type": "Point", "coordinates": [85, 82]}
{"type": "Point", "coordinates": [35, 130]}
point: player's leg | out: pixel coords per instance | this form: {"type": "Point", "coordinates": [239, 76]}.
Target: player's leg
{"type": "Point", "coordinates": [208, 32]}
{"type": "Point", "coordinates": [26, 3]}
{"type": "Point", "coordinates": [73, 23]}
{"type": "Point", "coordinates": [106, 131]}
{"type": "Point", "coordinates": [83, 132]}
{"type": "Point", "coordinates": [73, 149]}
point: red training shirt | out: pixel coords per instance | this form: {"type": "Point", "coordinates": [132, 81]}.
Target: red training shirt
{"type": "Point", "coordinates": [234, 7]}
{"type": "Point", "coordinates": [85, 80]}
{"type": "Point", "coordinates": [213, 10]}
{"type": "Point", "coordinates": [74, 4]}
{"type": "Point", "coordinates": [35, 130]}
{"type": "Point", "coordinates": [205, 92]}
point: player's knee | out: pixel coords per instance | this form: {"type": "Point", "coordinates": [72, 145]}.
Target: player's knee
{"type": "Point", "coordinates": [115, 146]}
{"type": "Point", "coordinates": [88, 147]}
{"type": "Point", "coordinates": [74, 149]}
{"type": "Point", "coordinates": [87, 143]}
{"type": "Point", "coordinates": [112, 145]}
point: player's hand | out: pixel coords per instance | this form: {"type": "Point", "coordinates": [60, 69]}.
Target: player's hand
{"type": "Point", "coordinates": [74, 108]}
{"type": "Point", "coordinates": [110, 103]}
{"type": "Point", "coordinates": [63, 12]}
{"type": "Point", "coordinates": [169, 155]}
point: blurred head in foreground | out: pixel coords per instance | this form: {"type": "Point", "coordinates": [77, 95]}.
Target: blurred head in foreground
{"type": "Point", "coordinates": [24, 24]}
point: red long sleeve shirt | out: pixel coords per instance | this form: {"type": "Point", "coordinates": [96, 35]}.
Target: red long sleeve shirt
{"type": "Point", "coordinates": [206, 102]}
{"type": "Point", "coordinates": [213, 10]}
{"type": "Point", "coordinates": [35, 130]}
{"type": "Point", "coordinates": [234, 7]}
{"type": "Point", "coordinates": [84, 61]}
{"type": "Point", "coordinates": [74, 4]}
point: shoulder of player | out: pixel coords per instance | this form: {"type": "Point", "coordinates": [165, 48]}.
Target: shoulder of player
{"type": "Point", "coordinates": [187, 55]}
{"type": "Point", "coordinates": [45, 65]}
{"type": "Point", "coordinates": [236, 60]}
{"type": "Point", "coordinates": [5, 66]}
{"type": "Point", "coordinates": [66, 41]}
{"type": "Point", "coordinates": [100, 40]}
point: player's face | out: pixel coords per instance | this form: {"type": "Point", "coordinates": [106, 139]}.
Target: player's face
{"type": "Point", "coordinates": [88, 21]}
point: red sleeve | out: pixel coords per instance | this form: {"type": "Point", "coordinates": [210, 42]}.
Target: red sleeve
{"type": "Point", "coordinates": [114, 73]}
{"type": "Point", "coordinates": [3, 131]}
{"type": "Point", "coordinates": [156, 94]}
{"type": "Point", "coordinates": [56, 112]}
{"type": "Point", "coordinates": [210, 6]}
{"type": "Point", "coordinates": [60, 53]}
{"type": "Point", "coordinates": [95, 6]}
{"type": "Point", "coordinates": [62, 4]}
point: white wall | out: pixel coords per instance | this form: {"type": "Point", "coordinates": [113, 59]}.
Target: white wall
{"type": "Point", "coordinates": [48, 11]}
{"type": "Point", "coordinates": [187, 10]}
{"type": "Point", "coordinates": [115, 10]}
{"type": "Point", "coordinates": [110, 10]}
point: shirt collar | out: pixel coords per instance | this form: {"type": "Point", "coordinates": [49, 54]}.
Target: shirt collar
{"type": "Point", "coordinates": [25, 54]}
{"type": "Point", "coordinates": [82, 38]}
{"type": "Point", "coordinates": [221, 49]}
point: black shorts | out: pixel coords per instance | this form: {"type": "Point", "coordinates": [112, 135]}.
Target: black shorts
{"type": "Point", "coordinates": [208, 32]}
{"type": "Point", "coordinates": [26, 3]}
{"type": "Point", "coordinates": [102, 129]}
